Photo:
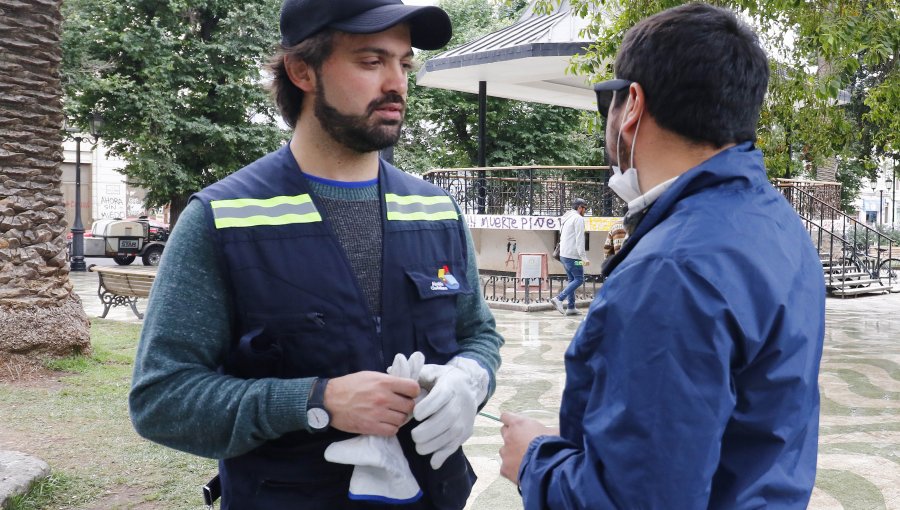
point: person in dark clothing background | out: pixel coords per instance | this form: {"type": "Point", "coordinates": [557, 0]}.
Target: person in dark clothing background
{"type": "Point", "coordinates": [693, 380]}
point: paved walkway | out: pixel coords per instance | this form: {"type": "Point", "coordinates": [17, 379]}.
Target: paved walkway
{"type": "Point", "coordinates": [859, 454]}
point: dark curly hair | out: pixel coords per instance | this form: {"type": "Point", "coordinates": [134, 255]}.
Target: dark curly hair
{"type": "Point", "coordinates": [703, 72]}
{"type": "Point", "coordinates": [314, 51]}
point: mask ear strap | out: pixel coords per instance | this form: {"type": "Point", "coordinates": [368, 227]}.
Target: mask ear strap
{"type": "Point", "coordinates": [634, 140]}
{"type": "Point", "coordinates": [619, 135]}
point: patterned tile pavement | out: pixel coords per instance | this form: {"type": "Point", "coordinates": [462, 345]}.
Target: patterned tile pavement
{"type": "Point", "coordinates": [859, 446]}
{"type": "Point", "coordinates": [859, 452]}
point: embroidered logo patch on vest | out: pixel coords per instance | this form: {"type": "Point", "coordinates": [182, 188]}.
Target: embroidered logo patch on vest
{"type": "Point", "coordinates": [445, 281]}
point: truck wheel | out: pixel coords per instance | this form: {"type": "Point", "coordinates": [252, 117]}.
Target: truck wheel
{"type": "Point", "coordinates": [152, 255]}
{"type": "Point", "coordinates": [124, 260]}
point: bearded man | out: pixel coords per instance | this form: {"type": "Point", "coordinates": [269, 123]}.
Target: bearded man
{"type": "Point", "coordinates": [288, 288]}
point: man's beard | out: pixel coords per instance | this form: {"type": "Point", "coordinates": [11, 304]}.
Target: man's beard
{"type": "Point", "coordinates": [359, 132]}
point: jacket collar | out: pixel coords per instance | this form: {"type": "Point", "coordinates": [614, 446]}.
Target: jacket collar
{"type": "Point", "coordinates": [743, 161]}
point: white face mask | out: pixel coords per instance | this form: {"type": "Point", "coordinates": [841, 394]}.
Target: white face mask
{"type": "Point", "coordinates": [625, 184]}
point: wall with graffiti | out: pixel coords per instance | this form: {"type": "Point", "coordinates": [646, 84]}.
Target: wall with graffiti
{"type": "Point", "coordinates": [499, 239]}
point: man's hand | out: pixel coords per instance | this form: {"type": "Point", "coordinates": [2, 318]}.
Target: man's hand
{"type": "Point", "coordinates": [518, 432]}
{"type": "Point", "coordinates": [370, 402]}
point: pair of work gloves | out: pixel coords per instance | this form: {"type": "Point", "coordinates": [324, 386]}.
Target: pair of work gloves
{"type": "Point", "coordinates": [445, 407]}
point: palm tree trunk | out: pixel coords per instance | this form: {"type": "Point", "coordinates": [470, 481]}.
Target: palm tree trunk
{"type": "Point", "coordinates": [40, 314]}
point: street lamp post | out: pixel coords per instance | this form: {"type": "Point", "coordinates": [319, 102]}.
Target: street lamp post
{"type": "Point", "coordinates": [874, 185]}
{"type": "Point", "coordinates": [890, 186]}
{"type": "Point", "coordinates": [77, 263]}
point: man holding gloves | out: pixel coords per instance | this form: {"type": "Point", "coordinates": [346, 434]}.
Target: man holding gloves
{"type": "Point", "coordinates": [288, 288]}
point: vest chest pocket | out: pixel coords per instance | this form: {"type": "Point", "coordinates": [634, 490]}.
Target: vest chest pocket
{"type": "Point", "coordinates": [305, 344]}
{"type": "Point", "coordinates": [433, 309]}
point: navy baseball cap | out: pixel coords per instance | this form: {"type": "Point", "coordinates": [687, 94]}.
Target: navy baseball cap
{"type": "Point", "coordinates": [429, 26]}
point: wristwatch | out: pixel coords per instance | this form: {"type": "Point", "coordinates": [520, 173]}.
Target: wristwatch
{"type": "Point", "coordinates": [317, 417]}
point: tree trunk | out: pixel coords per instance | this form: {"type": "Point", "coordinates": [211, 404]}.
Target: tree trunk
{"type": "Point", "coordinates": [40, 314]}
{"type": "Point", "coordinates": [177, 203]}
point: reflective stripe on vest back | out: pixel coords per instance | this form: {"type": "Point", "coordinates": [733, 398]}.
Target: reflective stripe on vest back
{"type": "Point", "coordinates": [252, 212]}
{"type": "Point", "coordinates": [419, 208]}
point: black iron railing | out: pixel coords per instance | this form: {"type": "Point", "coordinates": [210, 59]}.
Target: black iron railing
{"type": "Point", "coordinates": [827, 192]}
{"type": "Point", "coordinates": [846, 245]}
{"type": "Point", "coordinates": [509, 289]}
{"type": "Point", "coordinates": [529, 190]}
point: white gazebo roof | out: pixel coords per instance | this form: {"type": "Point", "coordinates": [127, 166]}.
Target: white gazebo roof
{"type": "Point", "coordinates": [526, 61]}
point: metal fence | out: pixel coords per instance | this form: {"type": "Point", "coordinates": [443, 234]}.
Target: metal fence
{"type": "Point", "coordinates": [843, 242]}
{"type": "Point", "coordinates": [509, 289]}
{"type": "Point", "coordinates": [529, 190]}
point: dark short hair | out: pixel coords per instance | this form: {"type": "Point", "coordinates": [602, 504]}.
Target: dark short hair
{"type": "Point", "coordinates": [314, 51]}
{"type": "Point", "coordinates": [579, 202]}
{"type": "Point", "coordinates": [703, 72]}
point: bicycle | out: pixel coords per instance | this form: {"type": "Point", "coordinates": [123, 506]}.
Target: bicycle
{"type": "Point", "coordinates": [889, 273]}
{"type": "Point", "coordinates": [858, 260]}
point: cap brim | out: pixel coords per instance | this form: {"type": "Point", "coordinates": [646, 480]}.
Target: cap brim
{"type": "Point", "coordinates": [429, 26]}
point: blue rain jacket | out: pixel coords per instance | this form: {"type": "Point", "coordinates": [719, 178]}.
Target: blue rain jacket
{"type": "Point", "coordinates": [692, 382]}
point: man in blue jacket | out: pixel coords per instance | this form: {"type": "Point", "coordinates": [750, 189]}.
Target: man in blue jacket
{"type": "Point", "coordinates": [692, 382]}
{"type": "Point", "coordinates": [289, 289]}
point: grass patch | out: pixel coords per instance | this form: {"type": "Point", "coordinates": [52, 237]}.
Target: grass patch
{"type": "Point", "coordinates": [58, 489]}
{"type": "Point", "coordinates": [79, 424]}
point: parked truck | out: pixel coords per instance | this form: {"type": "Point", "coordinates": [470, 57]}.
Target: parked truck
{"type": "Point", "coordinates": [125, 240]}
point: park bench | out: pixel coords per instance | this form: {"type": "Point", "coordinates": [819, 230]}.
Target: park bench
{"type": "Point", "coordinates": [120, 286]}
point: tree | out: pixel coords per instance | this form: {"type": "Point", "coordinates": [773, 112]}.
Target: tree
{"type": "Point", "coordinates": [442, 125]}
{"type": "Point", "coordinates": [39, 310]}
{"type": "Point", "coordinates": [178, 83]}
{"type": "Point", "coordinates": [818, 49]}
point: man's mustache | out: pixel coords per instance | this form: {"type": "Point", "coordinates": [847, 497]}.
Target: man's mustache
{"type": "Point", "coordinates": [386, 100]}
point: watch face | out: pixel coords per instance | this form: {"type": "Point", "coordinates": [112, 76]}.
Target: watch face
{"type": "Point", "coordinates": [317, 418]}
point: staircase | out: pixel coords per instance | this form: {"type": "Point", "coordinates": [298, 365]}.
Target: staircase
{"type": "Point", "coordinates": [854, 256]}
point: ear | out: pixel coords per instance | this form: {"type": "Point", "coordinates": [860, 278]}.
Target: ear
{"type": "Point", "coordinates": [634, 107]}
{"type": "Point", "coordinates": [300, 73]}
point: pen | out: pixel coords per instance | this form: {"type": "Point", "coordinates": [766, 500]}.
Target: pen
{"type": "Point", "coordinates": [486, 415]}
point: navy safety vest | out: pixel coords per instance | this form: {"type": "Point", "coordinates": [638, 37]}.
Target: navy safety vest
{"type": "Point", "coordinates": [300, 312]}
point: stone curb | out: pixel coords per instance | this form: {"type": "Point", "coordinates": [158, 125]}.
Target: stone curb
{"type": "Point", "coordinates": [18, 472]}
{"type": "Point", "coordinates": [531, 307]}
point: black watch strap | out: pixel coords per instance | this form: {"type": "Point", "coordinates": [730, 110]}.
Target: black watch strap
{"type": "Point", "coordinates": [318, 418]}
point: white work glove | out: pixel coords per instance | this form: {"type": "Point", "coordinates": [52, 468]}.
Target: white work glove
{"type": "Point", "coordinates": [409, 369]}
{"type": "Point", "coordinates": [455, 391]}
{"type": "Point", "coordinates": [381, 471]}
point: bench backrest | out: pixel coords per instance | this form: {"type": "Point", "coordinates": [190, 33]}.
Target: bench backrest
{"type": "Point", "coordinates": [124, 282]}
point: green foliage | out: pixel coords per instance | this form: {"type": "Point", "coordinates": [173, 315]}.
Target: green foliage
{"type": "Point", "coordinates": [178, 83]}
{"type": "Point", "coordinates": [817, 49]}
{"type": "Point", "coordinates": [442, 125]}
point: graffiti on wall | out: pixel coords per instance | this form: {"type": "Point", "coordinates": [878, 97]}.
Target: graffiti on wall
{"type": "Point", "coordinates": [110, 202]}
{"type": "Point", "coordinates": [505, 222]}
{"type": "Point", "coordinates": [136, 201]}
{"type": "Point", "coordinates": [510, 222]}
{"type": "Point", "coordinates": [511, 248]}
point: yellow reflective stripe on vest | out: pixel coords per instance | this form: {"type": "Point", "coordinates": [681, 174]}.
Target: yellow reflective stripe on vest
{"type": "Point", "coordinates": [419, 208]}
{"type": "Point", "coordinates": [252, 212]}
